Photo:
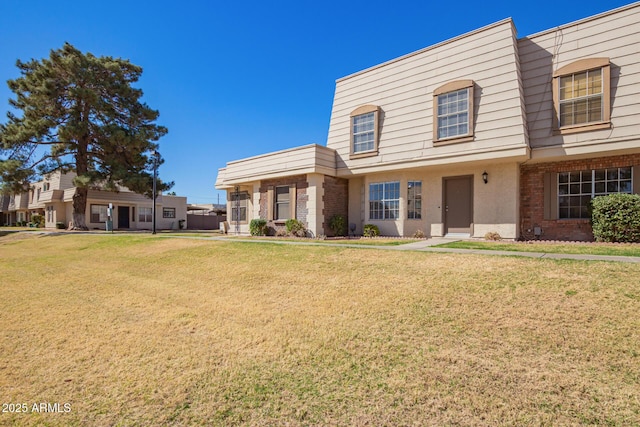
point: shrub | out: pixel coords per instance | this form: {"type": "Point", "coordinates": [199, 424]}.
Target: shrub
{"type": "Point", "coordinates": [419, 234]}
{"type": "Point", "coordinates": [371, 230]}
{"type": "Point", "coordinates": [258, 227]}
{"type": "Point", "coordinates": [38, 220]}
{"type": "Point", "coordinates": [338, 224]}
{"type": "Point", "coordinates": [492, 235]}
{"type": "Point", "coordinates": [60, 225]}
{"type": "Point", "coordinates": [295, 228]}
{"type": "Point", "coordinates": [616, 218]}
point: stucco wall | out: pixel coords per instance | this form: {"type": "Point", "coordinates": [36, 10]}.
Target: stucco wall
{"type": "Point", "coordinates": [495, 204]}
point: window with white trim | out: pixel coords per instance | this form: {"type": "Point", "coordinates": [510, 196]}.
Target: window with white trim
{"type": "Point", "coordinates": [453, 114]}
{"type": "Point", "coordinates": [145, 214]}
{"type": "Point", "coordinates": [414, 200]}
{"type": "Point", "coordinates": [576, 189]}
{"type": "Point", "coordinates": [282, 203]}
{"type": "Point", "coordinates": [99, 213]}
{"type": "Point", "coordinates": [168, 212]}
{"type": "Point", "coordinates": [453, 111]}
{"type": "Point", "coordinates": [384, 200]}
{"type": "Point", "coordinates": [363, 132]}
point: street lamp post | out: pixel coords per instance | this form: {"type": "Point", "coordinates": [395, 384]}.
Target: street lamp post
{"type": "Point", "coordinates": [154, 153]}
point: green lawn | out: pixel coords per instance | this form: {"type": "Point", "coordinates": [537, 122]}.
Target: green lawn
{"type": "Point", "coordinates": [567, 248]}
{"type": "Point", "coordinates": [146, 330]}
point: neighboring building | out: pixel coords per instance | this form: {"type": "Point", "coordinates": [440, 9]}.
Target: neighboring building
{"type": "Point", "coordinates": [481, 133]}
{"type": "Point", "coordinates": [52, 198]}
{"type": "Point", "coordinates": [207, 216]}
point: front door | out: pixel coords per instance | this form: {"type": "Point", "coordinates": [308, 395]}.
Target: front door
{"type": "Point", "coordinates": [458, 204]}
{"type": "Point", "coordinates": [123, 216]}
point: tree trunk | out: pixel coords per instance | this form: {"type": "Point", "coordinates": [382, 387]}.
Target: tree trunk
{"type": "Point", "coordinates": [79, 209]}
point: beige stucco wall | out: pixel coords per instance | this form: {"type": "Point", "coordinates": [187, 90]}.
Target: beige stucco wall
{"type": "Point", "coordinates": [315, 194]}
{"type": "Point", "coordinates": [495, 203]}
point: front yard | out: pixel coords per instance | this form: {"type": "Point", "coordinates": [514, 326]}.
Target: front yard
{"type": "Point", "coordinates": [143, 330]}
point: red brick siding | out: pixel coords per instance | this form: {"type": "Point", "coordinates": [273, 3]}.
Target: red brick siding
{"type": "Point", "coordinates": [301, 198]}
{"type": "Point", "coordinates": [335, 201]}
{"type": "Point", "coordinates": [532, 197]}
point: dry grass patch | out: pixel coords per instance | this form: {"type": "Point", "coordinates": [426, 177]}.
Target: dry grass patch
{"type": "Point", "coordinates": [136, 330]}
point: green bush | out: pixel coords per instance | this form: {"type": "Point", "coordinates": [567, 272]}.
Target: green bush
{"type": "Point", "coordinates": [371, 230]}
{"type": "Point", "coordinates": [258, 227]}
{"type": "Point", "coordinates": [338, 224]}
{"type": "Point", "coordinates": [616, 218]}
{"type": "Point", "coordinates": [38, 220]}
{"type": "Point", "coordinates": [60, 225]}
{"type": "Point", "coordinates": [295, 228]}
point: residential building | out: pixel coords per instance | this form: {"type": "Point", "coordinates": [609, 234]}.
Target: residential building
{"type": "Point", "coordinates": [52, 198]}
{"type": "Point", "coordinates": [485, 132]}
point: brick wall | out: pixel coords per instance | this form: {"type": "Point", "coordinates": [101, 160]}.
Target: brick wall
{"type": "Point", "coordinates": [335, 201]}
{"type": "Point", "coordinates": [532, 197]}
{"type": "Point", "coordinates": [301, 198]}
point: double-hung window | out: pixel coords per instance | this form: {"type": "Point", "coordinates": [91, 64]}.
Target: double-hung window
{"type": "Point", "coordinates": [364, 131]}
{"type": "Point", "coordinates": [99, 213]}
{"type": "Point", "coordinates": [453, 111]}
{"type": "Point", "coordinates": [576, 189]}
{"type": "Point", "coordinates": [145, 214]}
{"type": "Point", "coordinates": [581, 98]}
{"type": "Point", "coordinates": [384, 200]}
{"type": "Point", "coordinates": [363, 134]}
{"type": "Point", "coordinates": [581, 93]}
{"type": "Point", "coordinates": [282, 203]}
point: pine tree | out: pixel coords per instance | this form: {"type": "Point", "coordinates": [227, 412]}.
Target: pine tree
{"type": "Point", "coordinates": [80, 113]}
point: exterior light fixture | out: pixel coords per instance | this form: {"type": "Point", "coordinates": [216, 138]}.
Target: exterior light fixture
{"type": "Point", "coordinates": [485, 177]}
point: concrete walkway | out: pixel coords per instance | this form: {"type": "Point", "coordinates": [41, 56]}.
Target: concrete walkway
{"type": "Point", "coordinates": [429, 245]}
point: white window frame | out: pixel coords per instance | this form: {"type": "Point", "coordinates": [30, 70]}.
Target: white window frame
{"type": "Point", "coordinates": [145, 214]}
{"type": "Point", "coordinates": [384, 201]}
{"type": "Point", "coordinates": [363, 128]}
{"type": "Point", "coordinates": [450, 112]}
{"type": "Point", "coordinates": [580, 187]}
{"type": "Point", "coordinates": [169, 213]}
{"type": "Point", "coordinates": [364, 122]}
{"type": "Point", "coordinates": [101, 213]}
{"type": "Point", "coordinates": [278, 203]}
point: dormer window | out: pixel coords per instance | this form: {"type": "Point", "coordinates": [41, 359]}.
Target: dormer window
{"type": "Point", "coordinates": [364, 131]}
{"type": "Point", "coordinates": [581, 96]}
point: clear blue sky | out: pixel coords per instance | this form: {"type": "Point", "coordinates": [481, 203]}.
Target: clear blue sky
{"type": "Point", "coordinates": [235, 79]}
